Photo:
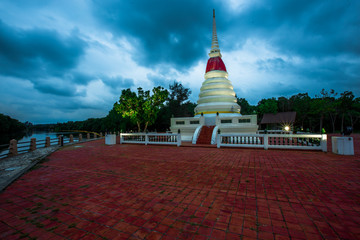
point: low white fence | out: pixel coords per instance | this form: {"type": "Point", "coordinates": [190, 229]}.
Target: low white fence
{"type": "Point", "coordinates": [276, 141]}
{"type": "Point", "coordinates": [151, 138]}
{"type": "Point", "coordinates": [273, 132]}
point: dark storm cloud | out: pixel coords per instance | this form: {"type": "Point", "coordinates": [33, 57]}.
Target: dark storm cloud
{"type": "Point", "coordinates": [35, 53]}
{"type": "Point", "coordinates": [286, 90]}
{"type": "Point", "coordinates": [55, 88]}
{"type": "Point", "coordinates": [117, 82]}
{"type": "Point", "coordinates": [321, 35]}
{"type": "Point", "coordinates": [331, 74]}
{"type": "Point", "coordinates": [179, 32]}
{"type": "Point", "coordinates": [80, 78]}
{"type": "Point", "coordinates": [304, 46]}
{"type": "Point", "coordinates": [160, 80]}
{"type": "Point", "coordinates": [273, 64]}
{"type": "Point", "coordinates": [173, 32]}
{"type": "Point", "coordinates": [72, 105]}
{"type": "Point", "coordinates": [65, 86]}
{"type": "Point", "coordinates": [307, 28]}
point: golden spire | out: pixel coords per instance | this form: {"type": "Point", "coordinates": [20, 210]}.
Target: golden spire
{"type": "Point", "coordinates": [215, 50]}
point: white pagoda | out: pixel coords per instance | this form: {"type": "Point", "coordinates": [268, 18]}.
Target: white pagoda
{"type": "Point", "coordinates": [217, 109]}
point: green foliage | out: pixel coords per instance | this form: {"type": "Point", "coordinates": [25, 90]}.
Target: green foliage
{"type": "Point", "coordinates": [322, 105]}
{"type": "Point", "coordinates": [153, 104]}
{"type": "Point", "coordinates": [301, 104]}
{"type": "Point", "coordinates": [349, 106]}
{"type": "Point", "coordinates": [314, 114]}
{"type": "Point", "coordinates": [112, 122]}
{"type": "Point", "coordinates": [283, 104]}
{"type": "Point", "coordinates": [179, 93]}
{"type": "Point", "coordinates": [147, 109]}
{"type": "Point", "coordinates": [354, 112]}
{"type": "Point", "coordinates": [130, 105]}
{"type": "Point", "coordinates": [10, 125]}
{"type": "Point", "coordinates": [115, 122]}
{"type": "Point", "coordinates": [178, 103]}
{"type": "Point", "coordinates": [141, 108]}
{"type": "Point", "coordinates": [246, 108]}
{"type": "Point", "coordinates": [154, 109]}
{"type": "Point", "coordinates": [269, 105]}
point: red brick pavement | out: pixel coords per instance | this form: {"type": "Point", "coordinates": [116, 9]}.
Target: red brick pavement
{"type": "Point", "coordinates": [94, 191]}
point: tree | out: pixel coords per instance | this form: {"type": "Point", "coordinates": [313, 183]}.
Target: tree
{"type": "Point", "coordinates": [179, 93]}
{"type": "Point", "coordinates": [346, 102]}
{"type": "Point", "coordinates": [115, 122]}
{"type": "Point", "coordinates": [354, 112]}
{"type": "Point", "coordinates": [283, 104]}
{"type": "Point", "coordinates": [177, 105]}
{"type": "Point", "coordinates": [325, 104]}
{"type": "Point", "coordinates": [10, 128]}
{"type": "Point", "coordinates": [141, 108]}
{"type": "Point", "coordinates": [153, 104]}
{"type": "Point", "coordinates": [177, 101]}
{"type": "Point", "coordinates": [301, 105]}
{"type": "Point", "coordinates": [267, 106]}
{"type": "Point", "coordinates": [9, 125]}
{"type": "Point", "coordinates": [246, 108]}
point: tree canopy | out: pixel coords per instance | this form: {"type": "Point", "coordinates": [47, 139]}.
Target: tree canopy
{"type": "Point", "coordinates": [269, 105]}
{"type": "Point", "coordinates": [315, 114]}
{"type": "Point", "coordinates": [246, 108]}
{"type": "Point", "coordinates": [144, 110]}
{"type": "Point", "coordinates": [9, 125]}
{"type": "Point", "coordinates": [141, 108]}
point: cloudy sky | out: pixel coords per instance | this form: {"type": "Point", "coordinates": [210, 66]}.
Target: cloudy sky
{"type": "Point", "coordinates": [70, 59]}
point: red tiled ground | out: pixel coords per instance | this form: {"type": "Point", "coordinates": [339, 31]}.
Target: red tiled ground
{"type": "Point", "coordinates": [159, 192]}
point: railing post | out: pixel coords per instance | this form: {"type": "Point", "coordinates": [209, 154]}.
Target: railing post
{"type": "Point", "coordinates": [71, 138]}
{"type": "Point", "coordinates": [178, 139]}
{"type": "Point", "coordinates": [121, 138]}
{"type": "Point", "coordinates": [323, 142]}
{"type": "Point", "coordinates": [80, 137]}
{"type": "Point", "coordinates": [13, 148]}
{"type": "Point", "coordinates": [61, 140]}
{"type": "Point", "coordinates": [146, 139]}
{"type": "Point", "coordinates": [218, 140]}
{"type": "Point", "coordinates": [88, 136]}
{"type": "Point", "coordinates": [32, 144]}
{"type": "Point", "coordinates": [101, 135]}
{"type": "Point", "coordinates": [266, 141]}
{"type": "Point", "coordinates": [47, 142]}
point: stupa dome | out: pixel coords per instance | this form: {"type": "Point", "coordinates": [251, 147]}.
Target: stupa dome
{"type": "Point", "coordinates": [215, 63]}
{"type": "Point", "coordinates": [217, 93]}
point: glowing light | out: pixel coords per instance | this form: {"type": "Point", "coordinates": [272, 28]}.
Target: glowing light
{"type": "Point", "coordinates": [287, 128]}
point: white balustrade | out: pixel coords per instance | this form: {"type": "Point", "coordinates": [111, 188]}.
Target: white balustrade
{"type": "Point", "coordinates": [151, 138]}
{"type": "Point", "coordinates": [276, 141]}
{"type": "Point", "coordinates": [196, 134]}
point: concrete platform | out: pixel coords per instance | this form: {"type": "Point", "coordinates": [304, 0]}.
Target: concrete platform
{"type": "Point", "coordinates": [95, 191]}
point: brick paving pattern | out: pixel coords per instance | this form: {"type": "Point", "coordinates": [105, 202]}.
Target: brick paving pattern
{"type": "Point", "coordinates": [94, 191]}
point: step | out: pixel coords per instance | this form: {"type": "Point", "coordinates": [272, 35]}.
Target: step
{"type": "Point", "coordinates": [205, 135]}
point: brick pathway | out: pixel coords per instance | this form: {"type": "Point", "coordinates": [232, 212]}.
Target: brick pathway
{"type": "Point", "coordinates": [93, 191]}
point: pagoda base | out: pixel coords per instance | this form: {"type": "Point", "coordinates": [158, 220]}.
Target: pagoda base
{"type": "Point", "coordinates": [189, 128]}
